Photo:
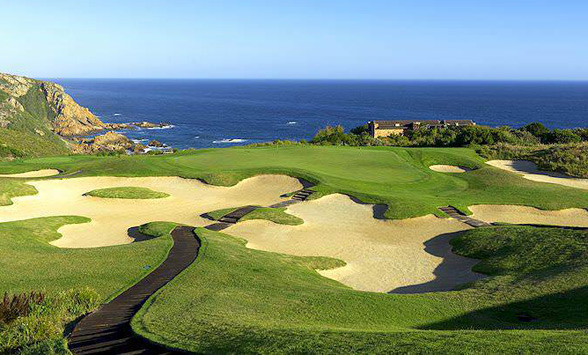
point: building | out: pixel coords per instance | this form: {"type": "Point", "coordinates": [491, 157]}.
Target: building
{"type": "Point", "coordinates": [400, 127]}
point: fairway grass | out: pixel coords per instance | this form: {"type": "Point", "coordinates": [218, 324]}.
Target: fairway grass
{"type": "Point", "coordinates": [127, 192]}
{"type": "Point", "coordinates": [243, 300]}
{"type": "Point", "coordinates": [397, 177]}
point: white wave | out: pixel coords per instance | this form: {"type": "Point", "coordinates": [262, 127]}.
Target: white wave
{"type": "Point", "coordinates": [139, 140]}
{"type": "Point", "coordinates": [196, 137]}
{"type": "Point", "coordinates": [230, 140]}
{"type": "Point", "coordinates": [292, 122]}
{"type": "Point", "coordinates": [163, 127]}
{"type": "Point", "coordinates": [117, 114]}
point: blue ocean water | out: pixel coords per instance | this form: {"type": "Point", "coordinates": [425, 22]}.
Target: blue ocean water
{"type": "Point", "coordinates": [219, 113]}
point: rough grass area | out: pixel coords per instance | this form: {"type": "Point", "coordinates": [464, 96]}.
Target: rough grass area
{"type": "Point", "coordinates": [276, 215]}
{"type": "Point", "coordinates": [40, 331]}
{"type": "Point", "coordinates": [127, 192]}
{"type": "Point", "coordinates": [73, 280]}
{"type": "Point", "coordinates": [398, 177]}
{"type": "Point", "coordinates": [254, 301]}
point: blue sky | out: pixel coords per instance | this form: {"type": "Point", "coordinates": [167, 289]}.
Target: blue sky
{"type": "Point", "coordinates": [332, 39]}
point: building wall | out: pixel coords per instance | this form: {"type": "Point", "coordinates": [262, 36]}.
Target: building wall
{"type": "Point", "coordinates": [387, 132]}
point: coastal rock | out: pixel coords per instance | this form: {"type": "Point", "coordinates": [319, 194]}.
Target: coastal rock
{"type": "Point", "coordinates": [109, 142]}
{"type": "Point", "coordinates": [155, 143]}
{"type": "Point", "coordinates": [70, 118]}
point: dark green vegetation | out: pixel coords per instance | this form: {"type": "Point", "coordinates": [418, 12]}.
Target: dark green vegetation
{"type": "Point", "coordinates": [72, 280]}
{"type": "Point", "coordinates": [276, 215]}
{"type": "Point", "coordinates": [30, 131]}
{"type": "Point", "coordinates": [569, 159]}
{"type": "Point", "coordinates": [244, 300]}
{"type": "Point", "coordinates": [127, 192]}
{"type": "Point", "coordinates": [398, 177]}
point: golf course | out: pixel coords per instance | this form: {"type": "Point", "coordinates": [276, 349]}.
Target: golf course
{"type": "Point", "coordinates": [366, 262]}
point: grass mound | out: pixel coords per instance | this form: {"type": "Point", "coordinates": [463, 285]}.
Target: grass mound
{"type": "Point", "coordinates": [127, 192]}
{"type": "Point", "coordinates": [218, 214]}
{"type": "Point", "coordinates": [276, 215]}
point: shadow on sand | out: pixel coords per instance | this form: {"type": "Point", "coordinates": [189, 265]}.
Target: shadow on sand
{"type": "Point", "coordinates": [453, 271]}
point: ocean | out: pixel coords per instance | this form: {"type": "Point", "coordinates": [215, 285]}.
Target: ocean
{"type": "Point", "coordinates": [221, 113]}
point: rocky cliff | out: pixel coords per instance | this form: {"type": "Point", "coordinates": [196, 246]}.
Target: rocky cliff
{"type": "Point", "coordinates": [58, 113]}
{"type": "Point", "coordinates": [39, 118]}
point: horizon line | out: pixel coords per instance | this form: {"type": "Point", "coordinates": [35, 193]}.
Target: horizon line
{"type": "Point", "coordinates": [314, 79]}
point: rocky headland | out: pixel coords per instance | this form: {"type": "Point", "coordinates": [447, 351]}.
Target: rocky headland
{"type": "Point", "coordinates": [41, 111]}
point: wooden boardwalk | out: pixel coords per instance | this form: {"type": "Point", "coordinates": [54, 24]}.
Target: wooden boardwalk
{"type": "Point", "coordinates": [456, 214]}
{"type": "Point", "coordinates": [108, 330]}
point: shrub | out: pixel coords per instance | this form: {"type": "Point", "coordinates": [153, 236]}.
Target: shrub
{"type": "Point", "coordinates": [562, 136]}
{"type": "Point", "coordinates": [19, 305]}
{"type": "Point", "coordinates": [537, 129]}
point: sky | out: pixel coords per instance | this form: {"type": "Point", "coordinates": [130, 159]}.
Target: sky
{"type": "Point", "coordinates": [296, 39]}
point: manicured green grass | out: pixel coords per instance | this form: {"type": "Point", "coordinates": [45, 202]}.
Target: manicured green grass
{"type": "Point", "coordinates": [29, 263]}
{"type": "Point", "coordinates": [218, 214]}
{"type": "Point", "coordinates": [244, 300]}
{"type": "Point", "coordinates": [398, 177]}
{"type": "Point", "coordinates": [276, 215]}
{"type": "Point", "coordinates": [127, 192]}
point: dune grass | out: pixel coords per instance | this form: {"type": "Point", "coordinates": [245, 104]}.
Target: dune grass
{"type": "Point", "coordinates": [276, 215]}
{"type": "Point", "coordinates": [244, 300]}
{"type": "Point", "coordinates": [398, 177]}
{"type": "Point", "coordinates": [74, 280]}
{"type": "Point", "coordinates": [127, 192]}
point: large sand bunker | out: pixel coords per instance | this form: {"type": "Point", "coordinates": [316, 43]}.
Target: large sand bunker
{"type": "Point", "coordinates": [111, 218]}
{"type": "Point", "coordinates": [448, 169]}
{"type": "Point", "coordinates": [33, 174]}
{"type": "Point", "coordinates": [530, 172]}
{"type": "Point", "coordinates": [572, 217]}
{"type": "Point", "coordinates": [381, 255]}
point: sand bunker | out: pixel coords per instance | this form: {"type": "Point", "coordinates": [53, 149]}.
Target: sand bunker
{"type": "Point", "coordinates": [111, 218]}
{"type": "Point", "coordinates": [381, 255]}
{"type": "Point", "coordinates": [448, 168]}
{"type": "Point", "coordinates": [530, 172]}
{"type": "Point", "coordinates": [572, 217]}
{"type": "Point", "coordinates": [33, 174]}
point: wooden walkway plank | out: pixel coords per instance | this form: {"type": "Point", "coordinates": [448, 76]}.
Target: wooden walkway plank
{"type": "Point", "coordinates": [108, 330]}
{"type": "Point", "coordinates": [458, 215]}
